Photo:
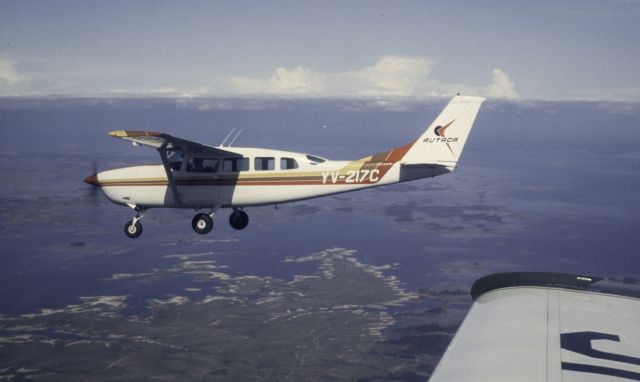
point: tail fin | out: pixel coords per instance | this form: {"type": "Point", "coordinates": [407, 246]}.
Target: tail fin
{"type": "Point", "coordinates": [443, 141]}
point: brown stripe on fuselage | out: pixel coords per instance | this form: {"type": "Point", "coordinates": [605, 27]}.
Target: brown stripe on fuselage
{"type": "Point", "coordinates": [232, 182]}
{"type": "Point", "coordinates": [391, 156]}
{"type": "Point", "coordinates": [133, 182]}
{"type": "Point", "coordinates": [398, 153]}
{"type": "Point", "coordinates": [385, 160]}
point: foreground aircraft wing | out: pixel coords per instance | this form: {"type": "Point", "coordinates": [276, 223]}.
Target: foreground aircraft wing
{"type": "Point", "coordinates": [546, 327]}
{"type": "Point", "coordinates": [160, 140]}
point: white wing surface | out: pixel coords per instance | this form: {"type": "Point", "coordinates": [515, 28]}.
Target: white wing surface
{"type": "Point", "coordinates": [546, 327]}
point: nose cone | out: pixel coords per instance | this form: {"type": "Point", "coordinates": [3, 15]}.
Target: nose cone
{"type": "Point", "coordinates": [92, 180]}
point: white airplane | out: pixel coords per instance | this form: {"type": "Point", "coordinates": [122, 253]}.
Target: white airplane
{"type": "Point", "coordinates": [193, 175]}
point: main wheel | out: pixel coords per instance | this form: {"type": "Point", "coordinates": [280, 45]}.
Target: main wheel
{"type": "Point", "coordinates": [202, 223]}
{"type": "Point", "coordinates": [133, 230]}
{"type": "Point", "coordinates": [239, 219]}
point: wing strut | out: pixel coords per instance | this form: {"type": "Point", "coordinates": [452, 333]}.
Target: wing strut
{"type": "Point", "coordinates": [227, 137]}
{"type": "Point", "coordinates": [177, 199]}
{"type": "Point", "coordinates": [234, 138]}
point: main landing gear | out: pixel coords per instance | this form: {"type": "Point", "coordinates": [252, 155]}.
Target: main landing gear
{"type": "Point", "coordinates": [202, 223]}
{"type": "Point", "coordinates": [239, 219]}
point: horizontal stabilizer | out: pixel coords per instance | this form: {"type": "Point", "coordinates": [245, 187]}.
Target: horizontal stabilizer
{"type": "Point", "coordinates": [412, 171]}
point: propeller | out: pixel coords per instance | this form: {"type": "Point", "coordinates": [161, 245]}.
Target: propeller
{"type": "Point", "coordinates": [92, 180]}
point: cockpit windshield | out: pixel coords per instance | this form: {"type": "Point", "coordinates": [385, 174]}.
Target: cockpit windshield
{"type": "Point", "coordinates": [315, 160]}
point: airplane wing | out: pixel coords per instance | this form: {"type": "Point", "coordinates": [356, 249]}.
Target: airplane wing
{"type": "Point", "coordinates": [161, 140]}
{"type": "Point", "coordinates": [546, 327]}
{"type": "Point", "coordinates": [164, 143]}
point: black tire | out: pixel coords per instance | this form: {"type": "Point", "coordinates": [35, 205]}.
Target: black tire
{"type": "Point", "coordinates": [133, 230]}
{"type": "Point", "coordinates": [239, 219]}
{"type": "Point", "coordinates": [202, 224]}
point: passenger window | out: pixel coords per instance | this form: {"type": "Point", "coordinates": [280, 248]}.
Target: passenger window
{"type": "Point", "coordinates": [243, 164]}
{"type": "Point", "coordinates": [288, 164]}
{"type": "Point", "coordinates": [227, 165]}
{"type": "Point", "coordinates": [235, 164]}
{"type": "Point", "coordinates": [210, 165]}
{"type": "Point", "coordinates": [264, 163]}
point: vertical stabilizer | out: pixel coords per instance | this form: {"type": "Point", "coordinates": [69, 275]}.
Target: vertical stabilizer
{"type": "Point", "coordinates": [443, 141]}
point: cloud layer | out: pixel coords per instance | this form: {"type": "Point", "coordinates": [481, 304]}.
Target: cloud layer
{"type": "Point", "coordinates": [389, 76]}
{"type": "Point", "coordinates": [9, 75]}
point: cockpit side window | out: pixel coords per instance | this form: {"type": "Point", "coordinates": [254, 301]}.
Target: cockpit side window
{"type": "Point", "coordinates": [203, 165]}
{"type": "Point", "coordinates": [175, 166]}
{"type": "Point", "coordinates": [194, 165]}
{"type": "Point", "coordinates": [288, 164]}
{"type": "Point", "coordinates": [174, 158]}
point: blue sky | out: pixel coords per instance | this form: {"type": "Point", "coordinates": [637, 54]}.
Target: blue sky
{"type": "Point", "coordinates": [505, 49]}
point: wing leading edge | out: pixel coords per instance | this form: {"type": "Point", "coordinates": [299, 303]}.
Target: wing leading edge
{"type": "Point", "coordinates": [161, 140]}
{"type": "Point", "coordinates": [546, 327]}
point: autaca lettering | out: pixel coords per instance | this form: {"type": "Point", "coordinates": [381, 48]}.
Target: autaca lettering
{"type": "Point", "coordinates": [440, 139]}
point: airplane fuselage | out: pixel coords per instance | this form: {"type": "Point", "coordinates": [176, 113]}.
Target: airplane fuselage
{"type": "Point", "coordinates": [149, 186]}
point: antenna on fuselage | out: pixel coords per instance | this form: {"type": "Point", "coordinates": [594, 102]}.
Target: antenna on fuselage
{"type": "Point", "coordinates": [227, 137]}
{"type": "Point", "coordinates": [234, 138]}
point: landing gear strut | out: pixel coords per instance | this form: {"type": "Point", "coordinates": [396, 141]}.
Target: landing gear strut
{"type": "Point", "coordinates": [238, 219]}
{"type": "Point", "coordinates": [133, 228]}
{"type": "Point", "coordinates": [202, 223]}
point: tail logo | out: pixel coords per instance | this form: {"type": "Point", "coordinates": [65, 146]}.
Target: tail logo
{"type": "Point", "coordinates": [440, 131]}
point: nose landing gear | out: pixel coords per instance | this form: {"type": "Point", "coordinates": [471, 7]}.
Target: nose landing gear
{"type": "Point", "coordinates": [133, 228]}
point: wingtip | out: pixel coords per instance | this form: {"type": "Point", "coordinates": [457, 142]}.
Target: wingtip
{"type": "Point", "coordinates": [133, 133]}
{"type": "Point", "coordinates": [118, 133]}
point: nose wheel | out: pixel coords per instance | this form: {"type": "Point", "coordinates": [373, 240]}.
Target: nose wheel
{"type": "Point", "coordinates": [239, 219]}
{"type": "Point", "coordinates": [202, 223]}
{"type": "Point", "coordinates": [133, 228]}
